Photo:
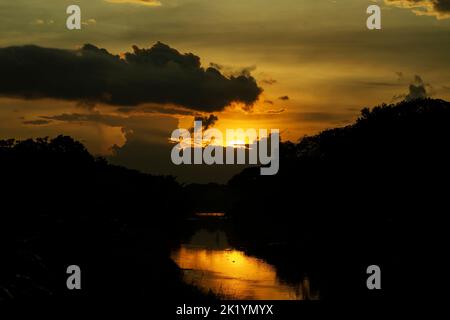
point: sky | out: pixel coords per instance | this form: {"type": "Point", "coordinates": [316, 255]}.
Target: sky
{"type": "Point", "coordinates": [300, 66]}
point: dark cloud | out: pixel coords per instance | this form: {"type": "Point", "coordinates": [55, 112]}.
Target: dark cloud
{"type": "Point", "coordinates": [158, 109]}
{"type": "Point", "coordinates": [231, 71]}
{"type": "Point", "coordinates": [269, 81]}
{"type": "Point", "coordinates": [77, 117]}
{"type": "Point", "coordinates": [216, 66]}
{"type": "Point", "coordinates": [442, 5]}
{"type": "Point", "coordinates": [268, 102]}
{"type": "Point", "coordinates": [207, 121]}
{"type": "Point", "coordinates": [36, 122]}
{"type": "Point", "coordinates": [437, 8]}
{"type": "Point", "coordinates": [90, 75]}
{"type": "Point", "coordinates": [284, 98]}
{"type": "Point", "coordinates": [152, 128]}
{"type": "Point", "coordinates": [110, 120]}
{"type": "Point", "coordinates": [246, 72]}
{"type": "Point", "coordinates": [278, 111]}
{"type": "Point", "coordinates": [417, 90]}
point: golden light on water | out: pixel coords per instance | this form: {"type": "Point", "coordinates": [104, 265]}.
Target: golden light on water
{"type": "Point", "coordinates": [232, 274]}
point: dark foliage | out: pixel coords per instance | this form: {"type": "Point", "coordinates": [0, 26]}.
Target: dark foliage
{"type": "Point", "coordinates": [61, 206]}
{"type": "Point", "coordinates": [370, 193]}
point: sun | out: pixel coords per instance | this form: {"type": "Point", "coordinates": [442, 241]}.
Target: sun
{"type": "Point", "coordinates": [237, 143]}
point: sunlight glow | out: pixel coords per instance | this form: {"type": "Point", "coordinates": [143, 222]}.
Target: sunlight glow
{"type": "Point", "coordinates": [232, 274]}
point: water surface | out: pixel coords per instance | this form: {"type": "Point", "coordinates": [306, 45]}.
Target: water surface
{"type": "Point", "coordinates": [210, 263]}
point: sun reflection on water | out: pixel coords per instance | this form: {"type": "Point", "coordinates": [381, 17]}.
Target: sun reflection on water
{"type": "Point", "coordinates": [232, 274]}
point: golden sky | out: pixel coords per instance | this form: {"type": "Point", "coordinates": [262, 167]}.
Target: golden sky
{"type": "Point", "coordinates": [315, 59]}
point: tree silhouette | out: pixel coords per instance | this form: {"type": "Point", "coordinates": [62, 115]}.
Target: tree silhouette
{"type": "Point", "coordinates": [370, 191]}
{"type": "Point", "coordinates": [60, 206]}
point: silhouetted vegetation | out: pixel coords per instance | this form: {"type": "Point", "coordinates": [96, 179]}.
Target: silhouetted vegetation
{"type": "Point", "coordinates": [61, 206]}
{"type": "Point", "coordinates": [211, 197]}
{"type": "Point", "coordinates": [369, 193]}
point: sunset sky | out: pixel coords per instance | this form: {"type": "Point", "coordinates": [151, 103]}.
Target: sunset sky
{"type": "Point", "coordinates": [315, 60]}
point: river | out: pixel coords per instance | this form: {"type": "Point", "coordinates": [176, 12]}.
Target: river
{"type": "Point", "coordinates": [209, 262]}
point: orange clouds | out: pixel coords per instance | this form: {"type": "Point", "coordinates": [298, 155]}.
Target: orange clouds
{"type": "Point", "coordinates": [437, 8]}
{"type": "Point", "coordinates": [152, 3]}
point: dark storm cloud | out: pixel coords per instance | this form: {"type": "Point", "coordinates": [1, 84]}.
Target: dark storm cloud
{"type": "Point", "coordinates": [89, 75]}
{"type": "Point", "coordinates": [284, 98]}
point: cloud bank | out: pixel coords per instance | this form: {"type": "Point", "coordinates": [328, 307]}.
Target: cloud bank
{"type": "Point", "coordinates": [92, 75]}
